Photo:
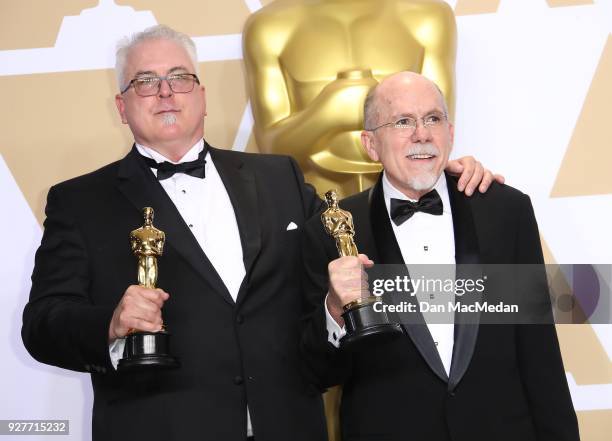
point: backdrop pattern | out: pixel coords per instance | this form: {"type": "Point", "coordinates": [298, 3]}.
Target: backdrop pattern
{"type": "Point", "coordinates": [534, 83]}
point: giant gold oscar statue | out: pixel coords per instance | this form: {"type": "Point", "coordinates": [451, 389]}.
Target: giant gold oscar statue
{"type": "Point", "coordinates": [310, 65]}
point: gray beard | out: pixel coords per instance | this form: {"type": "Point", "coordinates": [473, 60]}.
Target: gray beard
{"type": "Point", "coordinates": [168, 119]}
{"type": "Point", "coordinates": [427, 179]}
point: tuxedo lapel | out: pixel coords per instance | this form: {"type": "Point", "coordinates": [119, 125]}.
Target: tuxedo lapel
{"type": "Point", "coordinates": [139, 186]}
{"type": "Point", "coordinates": [239, 181]}
{"type": "Point", "coordinates": [386, 244]}
{"type": "Point", "coordinates": [389, 253]}
{"type": "Point", "coordinates": [468, 262]}
{"type": "Point", "coordinates": [363, 226]}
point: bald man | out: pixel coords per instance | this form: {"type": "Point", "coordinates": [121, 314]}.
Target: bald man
{"type": "Point", "coordinates": [437, 381]}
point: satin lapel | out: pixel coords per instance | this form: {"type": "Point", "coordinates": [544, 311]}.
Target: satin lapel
{"type": "Point", "coordinates": [139, 186]}
{"type": "Point", "coordinates": [390, 253]}
{"type": "Point", "coordinates": [468, 262]}
{"type": "Point", "coordinates": [239, 181]}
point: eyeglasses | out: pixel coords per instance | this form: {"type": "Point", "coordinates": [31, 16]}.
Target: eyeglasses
{"type": "Point", "coordinates": [149, 86]}
{"type": "Point", "coordinates": [408, 124]}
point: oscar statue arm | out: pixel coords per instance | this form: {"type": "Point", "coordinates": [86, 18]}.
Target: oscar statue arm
{"type": "Point", "coordinates": [439, 43]}
{"type": "Point", "coordinates": [328, 224]}
{"type": "Point", "coordinates": [338, 107]}
{"type": "Point", "coordinates": [159, 243]}
{"type": "Point", "coordinates": [134, 241]}
{"type": "Point", "coordinates": [61, 326]}
{"type": "Point", "coordinates": [323, 365]}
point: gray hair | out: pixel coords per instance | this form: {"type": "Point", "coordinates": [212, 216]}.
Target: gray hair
{"type": "Point", "coordinates": [162, 32]}
{"type": "Point", "coordinates": [444, 105]}
{"type": "Point", "coordinates": [371, 109]}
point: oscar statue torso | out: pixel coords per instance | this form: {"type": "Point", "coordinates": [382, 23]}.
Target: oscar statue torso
{"type": "Point", "coordinates": [311, 64]}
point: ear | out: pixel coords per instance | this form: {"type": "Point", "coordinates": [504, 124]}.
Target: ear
{"type": "Point", "coordinates": [204, 99]}
{"type": "Point", "coordinates": [451, 131]}
{"type": "Point", "coordinates": [369, 143]}
{"type": "Point", "coordinates": [121, 107]}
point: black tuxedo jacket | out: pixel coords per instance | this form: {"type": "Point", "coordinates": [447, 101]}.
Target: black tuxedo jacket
{"type": "Point", "coordinates": [506, 381]}
{"type": "Point", "coordinates": [231, 353]}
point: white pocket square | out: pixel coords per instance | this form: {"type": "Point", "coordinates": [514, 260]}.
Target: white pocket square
{"type": "Point", "coordinates": [291, 226]}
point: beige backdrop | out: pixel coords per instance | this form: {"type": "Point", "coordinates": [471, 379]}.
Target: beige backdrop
{"type": "Point", "coordinates": [59, 122]}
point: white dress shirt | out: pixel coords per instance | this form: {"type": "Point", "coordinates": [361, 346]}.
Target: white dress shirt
{"type": "Point", "coordinates": [422, 239]}
{"type": "Point", "coordinates": [206, 208]}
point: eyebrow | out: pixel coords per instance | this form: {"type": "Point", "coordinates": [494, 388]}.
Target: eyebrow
{"type": "Point", "coordinates": [410, 115]}
{"type": "Point", "coordinates": [141, 73]}
{"type": "Point", "coordinates": [177, 68]}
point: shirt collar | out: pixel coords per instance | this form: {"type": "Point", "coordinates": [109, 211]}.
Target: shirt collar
{"type": "Point", "coordinates": [191, 155]}
{"type": "Point", "coordinates": [391, 192]}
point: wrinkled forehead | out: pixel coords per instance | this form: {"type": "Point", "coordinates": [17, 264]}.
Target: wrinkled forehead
{"type": "Point", "coordinates": [409, 98]}
{"type": "Point", "coordinates": [158, 56]}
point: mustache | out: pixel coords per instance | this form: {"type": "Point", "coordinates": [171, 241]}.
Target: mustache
{"type": "Point", "coordinates": [423, 149]}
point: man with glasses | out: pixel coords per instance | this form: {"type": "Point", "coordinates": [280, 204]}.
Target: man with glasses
{"type": "Point", "coordinates": [437, 381]}
{"type": "Point", "coordinates": [228, 280]}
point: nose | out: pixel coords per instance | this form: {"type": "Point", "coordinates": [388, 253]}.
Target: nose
{"type": "Point", "coordinates": [421, 133]}
{"type": "Point", "coordinates": [164, 89]}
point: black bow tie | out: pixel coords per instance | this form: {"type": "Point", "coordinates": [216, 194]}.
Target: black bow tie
{"type": "Point", "coordinates": [402, 210]}
{"type": "Point", "coordinates": [167, 169]}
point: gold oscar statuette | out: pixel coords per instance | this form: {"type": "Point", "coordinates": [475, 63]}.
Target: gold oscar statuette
{"type": "Point", "coordinates": [361, 320]}
{"type": "Point", "coordinates": [147, 350]}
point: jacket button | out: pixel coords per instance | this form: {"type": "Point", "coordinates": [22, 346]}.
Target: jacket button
{"type": "Point", "coordinates": [238, 380]}
{"type": "Point", "coordinates": [239, 319]}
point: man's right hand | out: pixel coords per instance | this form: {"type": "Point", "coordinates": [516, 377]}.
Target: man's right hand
{"type": "Point", "coordinates": [347, 282]}
{"type": "Point", "coordinates": [139, 308]}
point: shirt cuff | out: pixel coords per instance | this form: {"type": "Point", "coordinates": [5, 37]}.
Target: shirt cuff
{"type": "Point", "coordinates": [115, 350]}
{"type": "Point", "coordinates": [334, 331]}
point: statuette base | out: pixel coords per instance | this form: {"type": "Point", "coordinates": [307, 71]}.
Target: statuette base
{"type": "Point", "coordinates": [147, 350]}
{"type": "Point", "coordinates": [366, 326]}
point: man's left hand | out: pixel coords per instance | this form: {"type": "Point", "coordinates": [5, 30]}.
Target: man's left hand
{"type": "Point", "coordinates": [472, 174]}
